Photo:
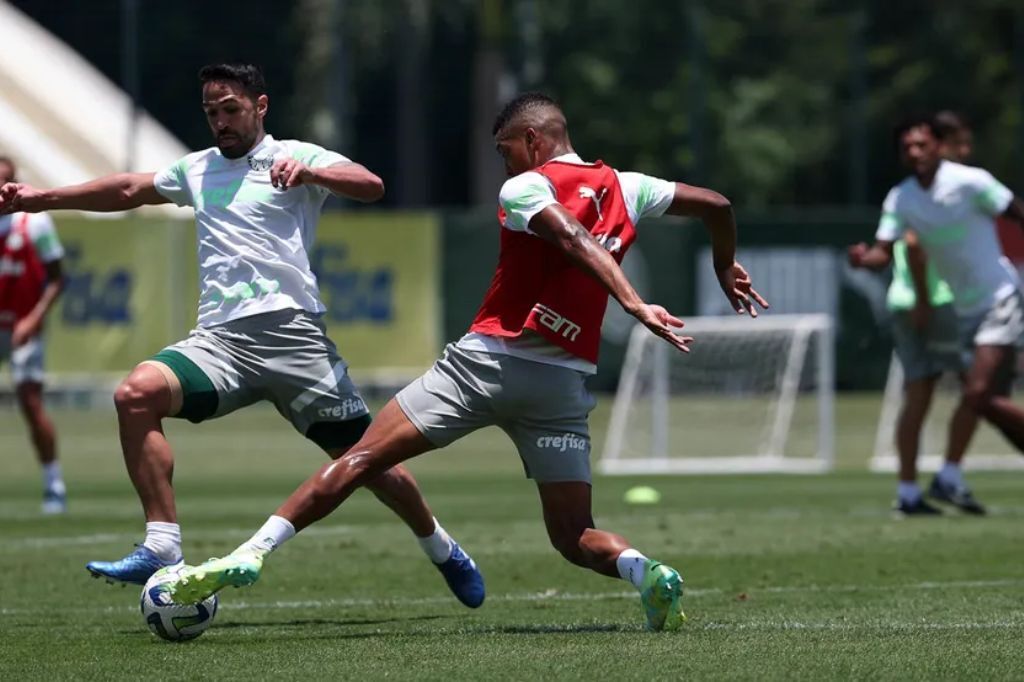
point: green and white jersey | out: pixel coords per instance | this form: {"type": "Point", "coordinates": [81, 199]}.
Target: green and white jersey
{"type": "Point", "coordinates": [955, 222]}
{"type": "Point", "coordinates": [253, 239]}
{"type": "Point", "coordinates": [902, 295]}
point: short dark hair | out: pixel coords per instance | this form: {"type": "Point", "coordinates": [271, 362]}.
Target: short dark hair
{"type": "Point", "coordinates": [949, 122]}
{"type": "Point", "coordinates": [522, 104]}
{"type": "Point", "coordinates": [917, 120]}
{"type": "Point", "coordinates": [8, 161]}
{"type": "Point", "coordinates": [248, 76]}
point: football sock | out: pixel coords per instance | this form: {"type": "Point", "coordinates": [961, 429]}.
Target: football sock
{"type": "Point", "coordinates": [631, 564]}
{"type": "Point", "coordinates": [438, 545]}
{"type": "Point", "coordinates": [952, 475]}
{"type": "Point", "coordinates": [53, 481]}
{"type": "Point", "coordinates": [908, 492]}
{"type": "Point", "coordinates": [274, 533]}
{"type": "Point", "coordinates": [164, 540]}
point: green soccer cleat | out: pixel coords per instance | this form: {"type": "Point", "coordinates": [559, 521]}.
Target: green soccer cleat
{"type": "Point", "coordinates": [196, 583]}
{"type": "Point", "coordinates": [661, 595]}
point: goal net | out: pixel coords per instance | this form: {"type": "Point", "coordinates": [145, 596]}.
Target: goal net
{"type": "Point", "coordinates": [988, 450]}
{"type": "Point", "coordinates": [751, 396]}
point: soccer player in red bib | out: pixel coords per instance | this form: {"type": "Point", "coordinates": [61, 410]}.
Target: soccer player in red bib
{"type": "Point", "coordinates": [30, 282]}
{"type": "Point", "coordinates": [566, 225]}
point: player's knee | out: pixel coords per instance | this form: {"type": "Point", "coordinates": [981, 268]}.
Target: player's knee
{"type": "Point", "coordinates": [978, 396]}
{"type": "Point", "coordinates": [352, 469]}
{"type": "Point", "coordinates": [568, 544]}
{"type": "Point", "coordinates": [141, 392]}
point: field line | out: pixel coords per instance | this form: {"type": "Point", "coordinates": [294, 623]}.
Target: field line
{"type": "Point", "coordinates": [556, 596]}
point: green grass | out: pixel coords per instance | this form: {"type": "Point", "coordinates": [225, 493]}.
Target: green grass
{"type": "Point", "coordinates": [789, 577]}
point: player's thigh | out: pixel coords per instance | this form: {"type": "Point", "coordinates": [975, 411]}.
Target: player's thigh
{"type": "Point", "coordinates": [545, 411]}
{"type": "Point", "coordinates": [991, 372]}
{"type": "Point", "coordinates": [204, 367]}
{"type": "Point", "coordinates": [389, 440]}
{"type": "Point", "coordinates": [27, 361]}
{"type": "Point", "coordinates": [929, 352]}
{"type": "Point", "coordinates": [454, 397]}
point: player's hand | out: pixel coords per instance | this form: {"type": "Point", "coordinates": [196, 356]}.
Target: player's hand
{"type": "Point", "coordinates": [25, 330]}
{"type": "Point", "coordinates": [662, 324]}
{"type": "Point", "coordinates": [17, 197]}
{"type": "Point", "coordinates": [855, 254]}
{"type": "Point", "coordinates": [920, 315]}
{"type": "Point", "coordinates": [738, 289]}
{"type": "Point", "coordinates": [288, 173]}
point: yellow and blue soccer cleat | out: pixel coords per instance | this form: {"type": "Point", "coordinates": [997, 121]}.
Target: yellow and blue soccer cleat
{"type": "Point", "coordinates": [196, 583]}
{"type": "Point", "coordinates": [661, 597]}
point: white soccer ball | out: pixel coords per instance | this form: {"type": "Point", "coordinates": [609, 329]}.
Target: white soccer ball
{"type": "Point", "coordinates": [171, 621]}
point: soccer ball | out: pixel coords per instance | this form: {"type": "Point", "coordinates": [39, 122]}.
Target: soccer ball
{"type": "Point", "coordinates": [170, 621]}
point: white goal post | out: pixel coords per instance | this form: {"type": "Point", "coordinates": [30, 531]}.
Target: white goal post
{"type": "Point", "coordinates": [753, 396]}
{"type": "Point", "coordinates": [988, 450]}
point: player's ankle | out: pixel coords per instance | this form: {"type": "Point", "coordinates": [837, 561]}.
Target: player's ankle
{"type": "Point", "coordinates": [632, 566]}
{"type": "Point", "coordinates": [908, 491]}
{"type": "Point", "coordinates": [274, 533]}
{"type": "Point", "coordinates": [164, 540]}
{"type": "Point", "coordinates": [438, 546]}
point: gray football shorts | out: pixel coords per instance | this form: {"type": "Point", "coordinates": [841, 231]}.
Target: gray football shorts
{"type": "Point", "coordinates": [543, 408]}
{"type": "Point", "coordinates": [26, 361]}
{"type": "Point", "coordinates": [283, 357]}
{"type": "Point", "coordinates": [1000, 325]}
{"type": "Point", "coordinates": [929, 352]}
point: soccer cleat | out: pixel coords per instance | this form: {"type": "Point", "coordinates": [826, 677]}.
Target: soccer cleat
{"type": "Point", "coordinates": [196, 583]}
{"type": "Point", "coordinates": [661, 595]}
{"type": "Point", "coordinates": [958, 496]}
{"type": "Point", "coordinates": [916, 508]}
{"type": "Point", "coordinates": [463, 577]}
{"type": "Point", "coordinates": [54, 502]}
{"type": "Point", "coordinates": [136, 568]}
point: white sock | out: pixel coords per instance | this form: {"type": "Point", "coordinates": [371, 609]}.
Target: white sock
{"type": "Point", "coordinates": [274, 533]}
{"type": "Point", "coordinates": [631, 567]}
{"type": "Point", "coordinates": [164, 540]}
{"type": "Point", "coordinates": [951, 474]}
{"type": "Point", "coordinates": [53, 481]}
{"type": "Point", "coordinates": [438, 546]}
{"type": "Point", "coordinates": [908, 492]}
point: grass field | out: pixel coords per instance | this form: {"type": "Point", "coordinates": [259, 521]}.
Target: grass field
{"type": "Point", "coordinates": [789, 577]}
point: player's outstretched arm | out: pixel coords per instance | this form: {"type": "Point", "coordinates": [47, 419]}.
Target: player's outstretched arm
{"type": "Point", "coordinates": [715, 211]}
{"type": "Point", "coordinates": [119, 192]}
{"type": "Point", "coordinates": [556, 225]}
{"type": "Point", "coordinates": [1015, 211]}
{"type": "Point", "coordinates": [349, 180]}
{"type": "Point", "coordinates": [874, 257]}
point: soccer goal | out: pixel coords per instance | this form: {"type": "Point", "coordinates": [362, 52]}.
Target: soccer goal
{"type": "Point", "coordinates": [989, 450]}
{"type": "Point", "coordinates": [752, 396]}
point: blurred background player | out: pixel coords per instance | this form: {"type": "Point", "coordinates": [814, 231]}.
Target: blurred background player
{"type": "Point", "coordinates": [31, 280]}
{"type": "Point", "coordinates": [260, 335]}
{"type": "Point", "coordinates": [926, 343]}
{"type": "Point", "coordinates": [947, 211]}
{"type": "Point", "coordinates": [565, 226]}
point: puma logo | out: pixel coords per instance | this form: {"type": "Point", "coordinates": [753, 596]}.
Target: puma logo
{"type": "Point", "coordinates": [591, 193]}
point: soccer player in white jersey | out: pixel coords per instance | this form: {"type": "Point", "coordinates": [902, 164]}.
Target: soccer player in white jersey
{"type": "Point", "coordinates": [565, 226]}
{"type": "Point", "coordinates": [947, 211]}
{"type": "Point", "coordinates": [925, 340]}
{"type": "Point", "coordinates": [31, 280]}
{"type": "Point", "coordinates": [260, 335]}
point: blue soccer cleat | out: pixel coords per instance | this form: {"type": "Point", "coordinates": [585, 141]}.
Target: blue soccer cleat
{"type": "Point", "coordinates": [136, 568]}
{"type": "Point", "coordinates": [463, 577]}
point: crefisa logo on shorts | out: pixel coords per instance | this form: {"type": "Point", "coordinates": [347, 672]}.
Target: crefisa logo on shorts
{"type": "Point", "coordinates": [347, 408]}
{"type": "Point", "coordinates": [562, 443]}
